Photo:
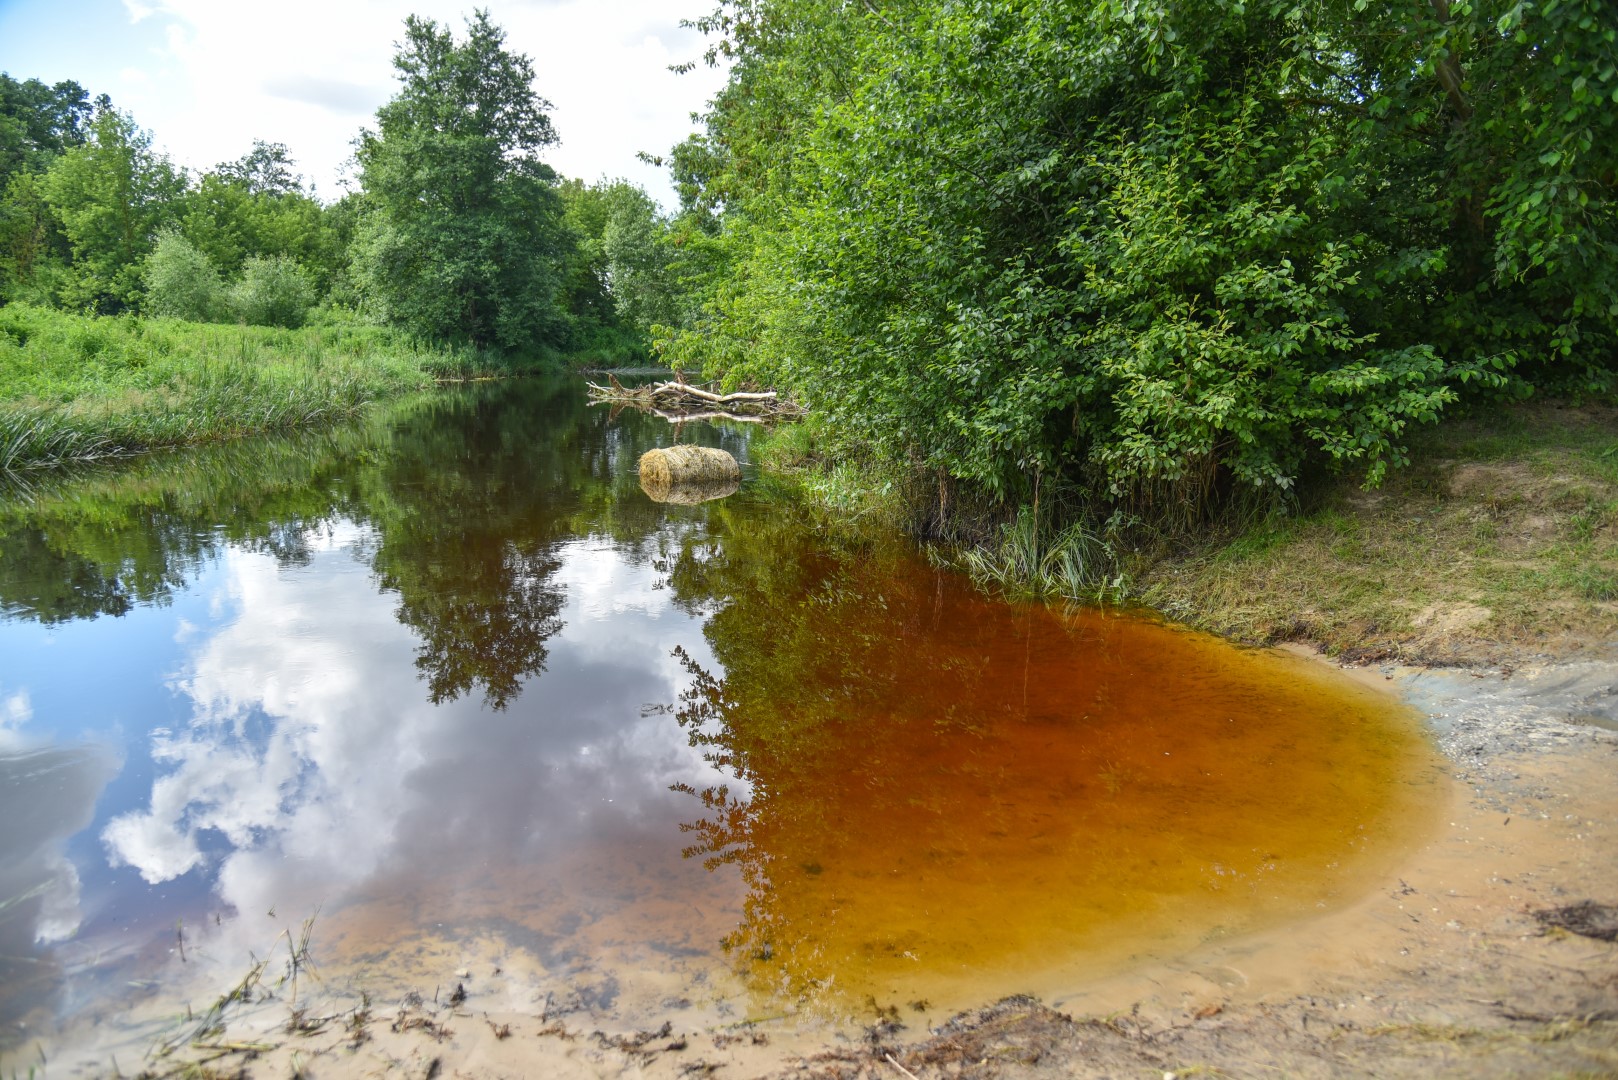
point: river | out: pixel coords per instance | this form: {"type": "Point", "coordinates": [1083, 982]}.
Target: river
{"type": "Point", "coordinates": [446, 696]}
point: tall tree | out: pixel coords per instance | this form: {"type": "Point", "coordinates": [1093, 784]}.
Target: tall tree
{"type": "Point", "coordinates": [258, 207]}
{"type": "Point", "coordinates": [38, 122]}
{"type": "Point", "coordinates": [464, 232]}
{"type": "Point", "coordinates": [111, 194]}
{"type": "Point", "coordinates": [1157, 250]}
{"type": "Point", "coordinates": [267, 169]}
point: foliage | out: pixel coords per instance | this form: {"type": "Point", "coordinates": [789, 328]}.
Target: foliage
{"type": "Point", "coordinates": [273, 291]}
{"type": "Point", "coordinates": [38, 122]}
{"type": "Point", "coordinates": [1162, 253]}
{"type": "Point", "coordinates": [31, 241]}
{"type": "Point", "coordinates": [458, 233]}
{"type": "Point", "coordinates": [231, 222]}
{"type": "Point", "coordinates": [181, 282]}
{"type": "Point", "coordinates": [593, 289]}
{"type": "Point", "coordinates": [110, 194]}
{"type": "Point", "coordinates": [266, 169]}
{"type": "Point", "coordinates": [463, 235]}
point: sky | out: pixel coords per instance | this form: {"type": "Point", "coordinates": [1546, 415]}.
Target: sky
{"type": "Point", "coordinates": [207, 77]}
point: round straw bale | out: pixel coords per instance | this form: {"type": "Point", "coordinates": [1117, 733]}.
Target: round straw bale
{"type": "Point", "coordinates": [676, 465]}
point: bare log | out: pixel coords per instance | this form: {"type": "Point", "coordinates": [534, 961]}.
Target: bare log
{"type": "Point", "coordinates": [678, 401]}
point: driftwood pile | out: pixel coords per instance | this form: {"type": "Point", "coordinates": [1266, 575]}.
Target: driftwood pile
{"type": "Point", "coordinates": [679, 401]}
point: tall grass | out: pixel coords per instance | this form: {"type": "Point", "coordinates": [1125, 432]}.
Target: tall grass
{"type": "Point", "coordinates": [1054, 552]}
{"type": "Point", "coordinates": [1030, 557]}
{"type": "Point", "coordinates": [76, 388]}
{"type": "Point", "coordinates": [28, 436]}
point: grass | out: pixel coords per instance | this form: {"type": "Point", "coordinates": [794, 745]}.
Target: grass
{"type": "Point", "coordinates": [1501, 537]}
{"type": "Point", "coordinates": [77, 388]}
{"type": "Point", "coordinates": [1033, 557]}
{"type": "Point", "coordinates": [1057, 554]}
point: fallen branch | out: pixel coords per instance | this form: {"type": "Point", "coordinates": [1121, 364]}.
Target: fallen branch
{"type": "Point", "coordinates": [680, 401]}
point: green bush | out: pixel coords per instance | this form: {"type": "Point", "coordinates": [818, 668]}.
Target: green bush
{"type": "Point", "coordinates": [181, 282]}
{"type": "Point", "coordinates": [273, 291]}
{"type": "Point", "coordinates": [1168, 254]}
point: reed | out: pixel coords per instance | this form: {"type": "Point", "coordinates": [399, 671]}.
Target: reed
{"type": "Point", "coordinates": [76, 388]}
{"type": "Point", "coordinates": [1037, 559]}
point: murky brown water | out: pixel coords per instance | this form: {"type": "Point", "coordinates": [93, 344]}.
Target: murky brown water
{"type": "Point", "coordinates": [454, 683]}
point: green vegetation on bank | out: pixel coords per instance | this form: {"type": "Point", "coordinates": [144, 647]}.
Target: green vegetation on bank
{"type": "Point", "coordinates": [1152, 263]}
{"type": "Point", "coordinates": [1500, 540]}
{"type": "Point", "coordinates": [76, 387]}
{"type": "Point", "coordinates": [142, 305]}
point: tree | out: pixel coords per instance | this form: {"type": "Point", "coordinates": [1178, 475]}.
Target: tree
{"type": "Point", "coordinates": [464, 235]}
{"type": "Point", "coordinates": [1156, 251]}
{"type": "Point", "coordinates": [267, 169]}
{"type": "Point", "coordinates": [111, 194]}
{"type": "Point", "coordinates": [38, 122]}
{"type": "Point", "coordinates": [231, 222]}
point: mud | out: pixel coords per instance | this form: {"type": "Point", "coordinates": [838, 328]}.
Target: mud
{"type": "Point", "coordinates": [1487, 952]}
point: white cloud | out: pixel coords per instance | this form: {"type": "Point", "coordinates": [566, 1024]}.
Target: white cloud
{"type": "Point", "coordinates": [312, 750]}
{"type": "Point", "coordinates": [231, 73]}
{"type": "Point", "coordinates": [158, 849]}
{"type": "Point", "coordinates": [46, 795]}
{"type": "Point", "coordinates": [15, 712]}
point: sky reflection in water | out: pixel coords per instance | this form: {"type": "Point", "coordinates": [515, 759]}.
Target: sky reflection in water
{"type": "Point", "coordinates": [451, 674]}
{"type": "Point", "coordinates": [275, 712]}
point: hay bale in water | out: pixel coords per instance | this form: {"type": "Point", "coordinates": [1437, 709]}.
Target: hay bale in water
{"type": "Point", "coordinates": [688, 474]}
{"type": "Point", "coordinates": [688, 465]}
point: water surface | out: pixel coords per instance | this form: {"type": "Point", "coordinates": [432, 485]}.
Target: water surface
{"type": "Point", "coordinates": [452, 681]}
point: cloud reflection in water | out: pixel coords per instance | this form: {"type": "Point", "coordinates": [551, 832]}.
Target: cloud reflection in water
{"type": "Point", "coordinates": [315, 760]}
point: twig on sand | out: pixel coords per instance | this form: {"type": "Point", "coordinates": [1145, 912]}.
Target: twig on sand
{"type": "Point", "coordinates": [892, 1061]}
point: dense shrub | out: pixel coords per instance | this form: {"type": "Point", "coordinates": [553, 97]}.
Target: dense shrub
{"type": "Point", "coordinates": [181, 282]}
{"type": "Point", "coordinates": [1158, 251]}
{"type": "Point", "coordinates": [273, 291]}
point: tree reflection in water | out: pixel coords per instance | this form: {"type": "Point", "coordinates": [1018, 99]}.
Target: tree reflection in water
{"type": "Point", "coordinates": [468, 496]}
{"type": "Point", "coordinates": [951, 791]}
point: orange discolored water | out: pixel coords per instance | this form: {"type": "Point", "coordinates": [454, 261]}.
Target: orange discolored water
{"type": "Point", "coordinates": [452, 685]}
{"type": "Point", "coordinates": [952, 796]}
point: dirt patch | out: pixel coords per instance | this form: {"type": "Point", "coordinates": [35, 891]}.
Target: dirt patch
{"type": "Point", "coordinates": [1514, 514]}
{"type": "Point", "coordinates": [1588, 919]}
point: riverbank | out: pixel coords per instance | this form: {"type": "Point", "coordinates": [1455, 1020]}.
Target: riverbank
{"type": "Point", "coordinates": [77, 388]}
{"type": "Point", "coordinates": [1498, 545]}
